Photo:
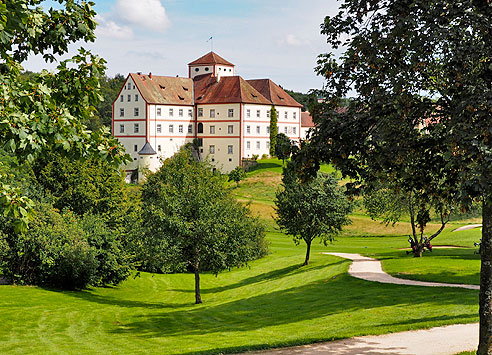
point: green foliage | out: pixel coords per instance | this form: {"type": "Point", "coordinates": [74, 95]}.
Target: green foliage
{"type": "Point", "coordinates": [190, 220]}
{"type": "Point", "coordinates": [273, 130]}
{"type": "Point", "coordinates": [284, 147]}
{"type": "Point", "coordinates": [45, 113]}
{"type": "Point", "coordinates": [306, 100]}
{"type": "Point", "coordinates": [237, 175]}
{"type": "Point", "coordinates": [313, 209]}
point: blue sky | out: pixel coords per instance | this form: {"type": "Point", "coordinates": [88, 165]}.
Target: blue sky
{"type": "Point", "coordinates": [270, 38]}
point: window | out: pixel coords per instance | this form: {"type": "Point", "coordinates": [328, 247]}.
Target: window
{"type": "Point", "coordinates": [122, 128]}
{"type": "Point", "coordinates": [257, 129]}
{"type": "Point", "coordinates": [207, 68]}
{"type": "Point", "coordinates": [121, 98]}
{"type": "Point", "coordinates": [286, 115]}
{"type": "Point", "coordinates": [180, 128]}
{"type": "Point", "coordinates": [197, 69]}
{"type": "Point", "coordinates": [230, 149]}
{"type": "Point", "coordinates": [268, 114]}
{"type": "Point", "coordinates": [200, 143]}
{"type": "Point", "coordinates": [285, 130]}
{"type": "Point", "coordinates": [212, 149]}
{"type": "Point", "coordinates": [230, 129]}
{"type": "Point", "coordinates": [212, 129]}
{"type": "Point", "coordinates": [129, 98]}
{"type": "Point", "coordinates": [135, 111]}
{"type": "Point", "coordinates": [212, 113]}
{"type": "Point", "coordinates": [171, 128]}
{"type": "Point", "coordinates": [278, 113]}
{"type": "Point", "coordinates": [122, 112]}
{"type": "Point", "coordinates": [248, 113]}
{"type": "Point", "coordinates": [135, 148]}
{"type": "Point", "coordinates": [230, 113]}
{"type": "Point", "coordinates": [159, 112]}
{"type": "Point", "coordinates": [190, 128]}
{"type": "Point", "coordinates": [294, 130]}
{"type": "Point", "coordinates": [190, 113]}
{"type": "Point", "coordinates": [257, 144]}
{"type": "Point", "coordinates": [267, 145]}
{"type": "Point", "coordinates": [171, 112]}
{"type": "Point", "coordinates": [268, 129]}
{"type": "Point", "coordinates": [248, 145]}
{"type": "Point", "coordinates": [258, 113]}
{"type": "Point", "coordinates": [159, 149]}
{"type": "Point", "coordinates": [200, 112]}
{"type": "Point", "coordinates": [295, 115]}
{"type": "Point", "coordinates": [248, 129]}
{"type": "Point", "coordinates": [180, 112]}
{"type": "Point", "coordinates": [200, 128]}
{"type": "Point", "coordinates": [129, 86]}
{"type": "Point", "coordinates": [136, 128]}
{"type": "Point", "coordinates": [159, 128]}
{"type": "Point", "coordinates": [136, 97]}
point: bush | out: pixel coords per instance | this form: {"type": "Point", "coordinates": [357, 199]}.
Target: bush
{"type": "Point", "coordinates": [255, 157]}
{"type": "Point", "coordinates": [264, 156]}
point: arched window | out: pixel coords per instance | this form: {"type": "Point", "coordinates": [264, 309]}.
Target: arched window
{"type": "Point", "coordinates": [200, 128]}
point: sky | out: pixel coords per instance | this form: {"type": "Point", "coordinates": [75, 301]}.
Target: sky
{"type": "Point", "coordinates": [276, 39]}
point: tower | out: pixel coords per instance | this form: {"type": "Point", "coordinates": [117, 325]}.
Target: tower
{"type": "Point", "coordinates": [211, 63]}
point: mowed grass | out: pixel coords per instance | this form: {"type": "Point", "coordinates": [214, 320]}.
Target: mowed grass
{"type": "Point", "coordinates": [273, 302]}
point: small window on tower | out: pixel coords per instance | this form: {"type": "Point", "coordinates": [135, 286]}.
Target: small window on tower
{"type": "Point", "coordinates": [207, 69]}
{"type": "Point", "coordinates": [197, 69]}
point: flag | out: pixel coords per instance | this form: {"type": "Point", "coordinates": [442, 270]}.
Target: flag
{"type": "Point", "coordinates": [209, 39]}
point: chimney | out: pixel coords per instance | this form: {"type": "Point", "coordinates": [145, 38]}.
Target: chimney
{"type": "Point", "coordinates": [150, 76]}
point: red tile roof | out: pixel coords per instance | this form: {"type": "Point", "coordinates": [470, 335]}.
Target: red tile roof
{"type": "Point", "coordinates": [211, 58]}
{"type": "Point", "coordinates": [306, 119]}
{"type": "Point", "coordinates": [229, 89]}
{"type": "Point", "coordinates": [164, 90]}
{"type": "Point", "coordinates": [273, 93]}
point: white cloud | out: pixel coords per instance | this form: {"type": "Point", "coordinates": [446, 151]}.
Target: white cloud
{"type": "Point", "coordinates": [291, 40]}
{"type": "Point", "coordinates": [112, 30]}
{"type": "Point", "coordinates": [146, 13]}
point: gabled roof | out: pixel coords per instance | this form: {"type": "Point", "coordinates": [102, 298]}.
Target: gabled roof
{"type": "Point", "coordinates": [147, 150]}
{"type": "Point", "coordinates": [228, 89]}
{"type": "Point", "coordinates": [164, 90]}
{"type": "Point", "coordinates": [211, 58]}
{"type": "Point", "coordinates": [306, 119]}
{"type": "Point", "coordinates": [273, 93]}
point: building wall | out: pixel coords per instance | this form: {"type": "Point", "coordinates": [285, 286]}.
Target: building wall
{"type": "Point", "coordinates": [256, 130]}
{"type": "Point", "coordinates": [304, 132]}
{"type": "Point", "coordinates": [216, 132]}
{"type": "Point", "coordinates": [169, 140]}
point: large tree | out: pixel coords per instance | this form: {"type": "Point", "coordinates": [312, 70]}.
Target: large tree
{"type": "Point", "coordinates": [45, 113]}
{"type": "Point", "coordinates": [422, 78]}
{"type": "Point", "coordinates": [191, 222]}
{"type": "Point", "coordinates": [312, 209]}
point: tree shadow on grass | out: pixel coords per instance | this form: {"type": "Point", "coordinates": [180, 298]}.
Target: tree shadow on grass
{"type": "Point", "coordinates": [314, 300]}
{"type": "Point", "coordinates": [268, 276]}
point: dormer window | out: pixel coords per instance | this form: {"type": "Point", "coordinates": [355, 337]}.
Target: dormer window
{"type": "Point", "coordinates": [280, 97]}
{"type": "Point", "coordinates": [162, 87]}
{"type": "Point", "coordinates": [185, 89]}
{"type": "Point", "coordinates": [181, 98]}
{"type": "Point", "coordinates": [254, 96]}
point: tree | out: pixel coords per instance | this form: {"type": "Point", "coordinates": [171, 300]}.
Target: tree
{"type": "Point", "coordinates": [421, 73]}
{"type": "Point", "coordinates": [45, 113]}
{"type": "Point", "coordinates": [273, 130]}
{"type": "Point", "coordinates": [237, 175]}
{"type": "Point", "coordinates": [191, 222]}
{"type": "Point", "coordinates": [284, 147]}
{"type": "Point", "coordinates": [312, 209]}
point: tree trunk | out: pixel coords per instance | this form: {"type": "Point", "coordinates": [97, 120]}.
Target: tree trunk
{"type": "Point", "coordinates": [485, 296]}
{"type": "Point", "coordinates": [306, 262]}
{"type": "Point", "coordinates": [198, 298]}
{"type": "Point", "coordinates": [419, 250]}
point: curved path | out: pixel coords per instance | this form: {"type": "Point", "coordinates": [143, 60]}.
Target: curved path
{"type": "Point", "coordinates": [446, 340]}
{"type": "Point", "coordinates": [370, 269]}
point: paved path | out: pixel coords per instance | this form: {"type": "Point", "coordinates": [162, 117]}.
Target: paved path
{"type": "Point", "coordinates": [446, 340]}
{"type": "Point", "coordinates": [370, 269]}
{"type": "Point", "coordinates": [464, 228]}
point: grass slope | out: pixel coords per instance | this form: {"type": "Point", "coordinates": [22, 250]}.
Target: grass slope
{"type": "Point", "coordinates": [274, 302]}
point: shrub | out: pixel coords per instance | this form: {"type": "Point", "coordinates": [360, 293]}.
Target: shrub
{"type": "Point", "coordinates": [255, 157]}
{"type": "Point", "coordinates": [264, 156]}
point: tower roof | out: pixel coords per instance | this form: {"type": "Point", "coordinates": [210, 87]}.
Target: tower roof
{"type": "Point", "coordinates": [147, 150]}
{"type": "Point", "coordinates": [211, 58]}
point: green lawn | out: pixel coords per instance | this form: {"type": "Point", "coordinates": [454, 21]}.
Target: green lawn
{"type": "Point", "coordinates": [273, 302]}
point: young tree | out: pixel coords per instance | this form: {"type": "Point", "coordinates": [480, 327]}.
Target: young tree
{"type": "Point", "coordinates": [273, 130]}
{"type": "Point", "coordinates": [190, 220]}
{"type": "Point", "coordinates": [237, 175]}
{"type": "Point", "coordinates": [313, 209]}
{"type": "Point", "coordinates": [45, 113]}
{"type": "Point", "coordinates": [284, 147]}
{"type": "Point", "coordinates": [421, 71]}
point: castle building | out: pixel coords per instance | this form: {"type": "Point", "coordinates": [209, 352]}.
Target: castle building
{"type": "Point", "coordinates": [153, 116]}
